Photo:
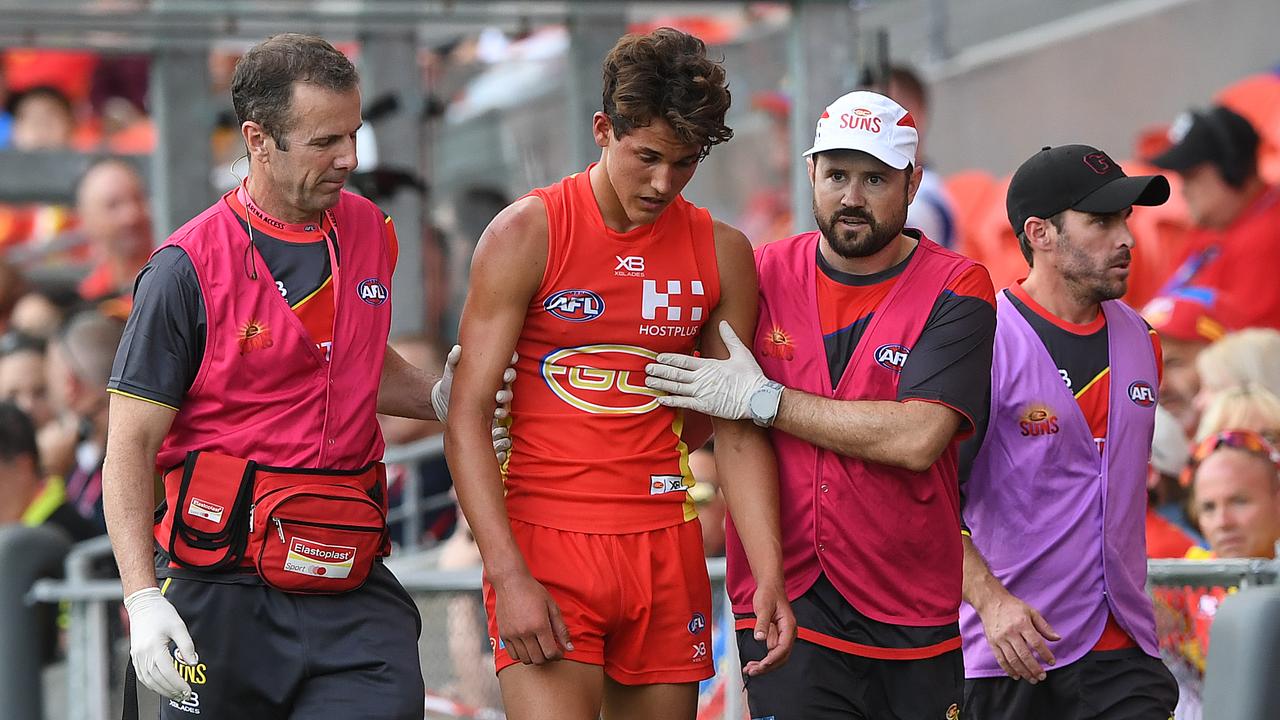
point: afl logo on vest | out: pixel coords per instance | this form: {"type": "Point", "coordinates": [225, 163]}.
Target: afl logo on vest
{"type": "Point", "coordinates": [575, 305]}
{"type": "Point", "coordinates": [371, 291]}
{"type": "Point", "coordinates": [1142, 394]}
{"type": "Point", "coordinates": [892, 356]}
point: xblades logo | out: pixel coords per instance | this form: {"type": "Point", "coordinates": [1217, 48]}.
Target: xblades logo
{"type": "Point", "coordinates": [631, 265]}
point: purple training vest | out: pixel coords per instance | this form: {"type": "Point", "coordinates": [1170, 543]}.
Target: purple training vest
{"type": "Point", "coordinates": [1060, 524]}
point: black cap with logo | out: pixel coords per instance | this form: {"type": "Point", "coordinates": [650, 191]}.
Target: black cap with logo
{"type": "Point", "coordinates": [1077, 177]}
{"type": "Point", "coordinates": [1217, 135]}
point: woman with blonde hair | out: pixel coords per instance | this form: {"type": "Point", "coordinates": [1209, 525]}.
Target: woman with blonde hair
{"type": "Point", "coordinates": [1246, 357]}
{"type": "Point", "coordinates": [1245, 407]}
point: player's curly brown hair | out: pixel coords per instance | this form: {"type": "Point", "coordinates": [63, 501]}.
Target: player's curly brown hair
{"type": "Point", "coordinates": [667, 75]}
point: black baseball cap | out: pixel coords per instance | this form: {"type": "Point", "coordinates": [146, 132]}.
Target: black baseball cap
{"type": "Point", "coordinates": [1077, 177]}
{"type": "Point", "coordinates": [1217, 135]}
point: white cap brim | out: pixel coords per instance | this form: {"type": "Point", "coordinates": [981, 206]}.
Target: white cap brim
{"type": "Point", "coordinates": [886, 155]}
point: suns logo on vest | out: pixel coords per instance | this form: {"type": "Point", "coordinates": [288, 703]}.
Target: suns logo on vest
{"type": "Point", "coordinates": [778, 344]}
{"type": "Point", "coordinates": [575, 305]}
{"type": "Point", "coordinates": [371, 291]}
{"type": "Point", "coordinates": [1142, 394]}
{"type": "Point", "coordinates": [892, 356]}
{"type": "Point", "coordinates": [254, 335]}
{"type": "Point", "coordinates": [1038, 421]}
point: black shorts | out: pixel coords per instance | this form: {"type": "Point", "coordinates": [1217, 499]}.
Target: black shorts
{"type": "Point", "coordinates": [818, 683]}
{"type": "Point", "coordinates": [268, 655]}
{"type": "Point", "coordinates": [1108, 685]}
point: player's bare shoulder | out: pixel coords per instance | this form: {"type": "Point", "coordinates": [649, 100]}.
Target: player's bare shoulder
{"type": "Point", "coordinates": [734, 257]}
{"type": "Point", "coordinates": [515, 242]}
{"type": "Point", "coordinates": [729, 238]}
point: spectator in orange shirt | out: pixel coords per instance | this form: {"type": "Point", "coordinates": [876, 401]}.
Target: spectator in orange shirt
{"type": "Point", "coordinates": [1237, 494]}
{"type": "Point", "coordinates": [116, 221]}
{"type": "Point", "coordinates": [1186, 327]}
{"type": "Point", "coordinates": [1235, 250]}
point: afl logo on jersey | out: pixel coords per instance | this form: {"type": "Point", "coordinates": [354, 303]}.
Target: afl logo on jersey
{"type": "Point", "coordinates": [575, 305]}
{"type": "Point", "coordinates": [371, 291]}
{"type": "Point", "coordinates": [1142, 394]}
{"type": "Point", "coordinates": [892, 356]}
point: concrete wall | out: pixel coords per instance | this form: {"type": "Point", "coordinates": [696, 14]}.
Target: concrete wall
{"type": "Point", "coordinates": [1097, 77]}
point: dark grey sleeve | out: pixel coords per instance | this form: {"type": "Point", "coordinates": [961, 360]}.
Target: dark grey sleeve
{"type": "Point", "coordinates": [951, 362]}
{"type": "Point", "coordinates": [163, 342]}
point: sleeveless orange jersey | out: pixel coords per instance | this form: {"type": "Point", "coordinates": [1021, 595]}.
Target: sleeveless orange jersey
{"type": "Point", "coordinates": [592, 450]}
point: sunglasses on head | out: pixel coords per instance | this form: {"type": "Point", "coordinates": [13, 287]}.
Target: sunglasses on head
{"type": "Point", "coordinates": [1246, 440]}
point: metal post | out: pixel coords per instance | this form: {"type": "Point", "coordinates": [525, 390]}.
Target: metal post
{"type": "Point", "coordinates": [26, 553]}
{"type": "Point", "coordinates": [821, 54]}
{"type": "Point", "coordinates": [389, 66]}
{"type": "Point", "coordinates": [1244, 657]}
{"type": "Point", "coordinates": [734, 692]}
{"type": "Point", "coordinates": [591, 36]}
{"type": "Point", "coordinates": [939, 29]}
{"type": "Point", "coordinates": [88, 656]}
{"type": "Point", "coordinates": [182, 164]}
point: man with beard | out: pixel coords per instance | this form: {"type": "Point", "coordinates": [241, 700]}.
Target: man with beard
{"type": "Point", "coordinates": [874, 349]}
{"type": "Point", "coordinates": [1055, 483]}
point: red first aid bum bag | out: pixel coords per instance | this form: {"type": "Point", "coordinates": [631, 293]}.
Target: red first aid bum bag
{"type": "Point", "coordinates": [300, 530]}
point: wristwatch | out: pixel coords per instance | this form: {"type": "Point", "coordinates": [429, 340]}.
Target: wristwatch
{"type": "Point", "coordinates": [763, 403]}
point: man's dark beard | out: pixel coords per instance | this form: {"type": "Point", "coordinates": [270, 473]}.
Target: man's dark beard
{"type": "Point", "coordinates": [851, 248]}
{"type": "Point", "coordinates": [1088, 284]}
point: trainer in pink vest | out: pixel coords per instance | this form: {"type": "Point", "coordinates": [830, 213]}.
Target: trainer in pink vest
{"type": "Point", "coordinates": [1063, 526]}
{"type": "Point", "coordinates": [886, 537]}
{"type": "Point", "coordinates": [264, 391]}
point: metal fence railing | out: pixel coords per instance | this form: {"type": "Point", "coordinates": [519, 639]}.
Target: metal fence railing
{"type": "Point", "coordinates": [457, 659]}
{"type": "Point", "coordinates": [1186, 595]}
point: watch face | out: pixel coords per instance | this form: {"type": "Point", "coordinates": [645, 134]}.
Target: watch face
{"type": "Point", "coordinates": [762, 404]}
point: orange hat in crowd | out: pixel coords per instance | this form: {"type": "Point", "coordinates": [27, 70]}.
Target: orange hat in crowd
{"type": "Point", "coordinates": [1181, 317]}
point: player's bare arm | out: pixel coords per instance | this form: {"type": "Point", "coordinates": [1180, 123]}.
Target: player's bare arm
{"type": "Point", "coordinates": [1016, 631]}
{"type": "Point", "coordinates": [745, 461]}
{"type": "Point", "coordinates": [506, 271]}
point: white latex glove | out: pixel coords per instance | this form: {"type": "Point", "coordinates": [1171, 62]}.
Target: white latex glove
{"type": "Point", "coordinates": [440, 391]}
{"type": "Point", "coordinates": [153, 623]}
{"type": "Point", "coordinates": [720, 388]}
{"type": "Point", "coordinates": [501, 441]}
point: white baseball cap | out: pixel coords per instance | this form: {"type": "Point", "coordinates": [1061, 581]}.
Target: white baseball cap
{"type": "Point", "coordinates": [869, 122]}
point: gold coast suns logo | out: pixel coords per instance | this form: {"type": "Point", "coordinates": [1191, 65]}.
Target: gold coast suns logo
{"type": "Point", "coordinates": [778, 344]}
{"type": "Point", "coordinates": [601, 379]}
{"type": "Point", "coordinates": [253, 335]}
